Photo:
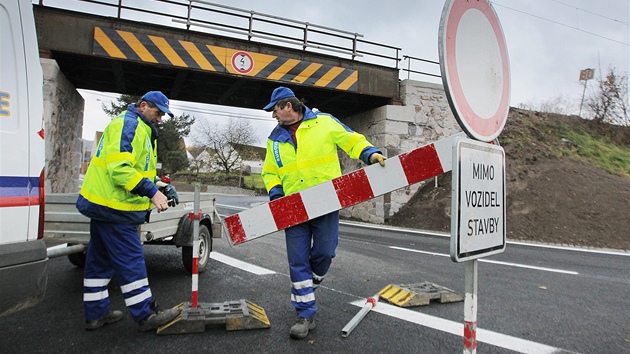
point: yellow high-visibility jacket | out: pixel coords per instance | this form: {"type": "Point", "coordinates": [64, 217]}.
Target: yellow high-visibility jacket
{"type": "Point", "coordinates": [289, 169]}
{"type": "Point", "coordinates": [120, 180]}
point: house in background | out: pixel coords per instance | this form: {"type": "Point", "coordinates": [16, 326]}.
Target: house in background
{"type": "Point", "coordinates": [252, 157]}
{"type": "Point", "coordinates": [199, 159]}
{"type": "Point", "coordinates": [203, 160]}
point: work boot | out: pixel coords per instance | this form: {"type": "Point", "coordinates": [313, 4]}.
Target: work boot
{"type": "Point", "coordinates": [158, 318]}
{"type": "Point", "coordinates": [300, 329]}
{"type": "Point", "coordinates": [111, 317]}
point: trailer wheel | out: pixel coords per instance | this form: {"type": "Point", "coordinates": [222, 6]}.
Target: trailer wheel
{"type": "Point", "coordinates": [205, 246]}
{"type": "Point", "coordinates": [77, 259]}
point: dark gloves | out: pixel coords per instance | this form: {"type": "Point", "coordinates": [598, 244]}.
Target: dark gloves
{"type": "Point", "coordinates": [171, 195]}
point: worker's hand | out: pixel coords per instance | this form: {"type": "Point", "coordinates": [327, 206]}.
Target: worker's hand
{"type": "Point", "coordinates": [160, 201]}
{"type": "Point", "coordinates": [376, 157]}
{"type": "Point", "coordinates": [171, 194]}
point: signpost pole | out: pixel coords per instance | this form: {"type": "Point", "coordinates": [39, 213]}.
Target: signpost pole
{"type": "Point", "coordinates": [476, 75]}
{"type": "Point", "coordinates": [582, 102]}
{"type": "Point", "coordinates": [470, 307]}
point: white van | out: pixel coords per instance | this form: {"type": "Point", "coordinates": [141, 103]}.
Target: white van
{"type": "Point", "coordinates": [23, 258]}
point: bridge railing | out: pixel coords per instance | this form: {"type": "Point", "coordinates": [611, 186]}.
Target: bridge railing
{"type": "Point", "coordinates": [203, 16]}
{"type": "Point", "coordinates": [423, 67]}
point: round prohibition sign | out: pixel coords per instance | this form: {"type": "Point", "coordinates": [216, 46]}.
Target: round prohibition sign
{"type": "Point", "coordinates": [475, 67]}
{"type": "Point", "coordinates": [242, 62]}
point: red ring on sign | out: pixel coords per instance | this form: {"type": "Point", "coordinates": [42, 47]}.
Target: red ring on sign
{"type": "Point", "coordinates": [246, 63]}
{"type": "Point", "coordinates": [485, 129]}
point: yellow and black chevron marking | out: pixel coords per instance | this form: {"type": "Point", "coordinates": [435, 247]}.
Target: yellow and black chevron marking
{"type": "Point", "coordinates": [160, 50]}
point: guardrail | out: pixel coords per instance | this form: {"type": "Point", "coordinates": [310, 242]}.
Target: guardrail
{"type": "Point", "coordinates": [431, 64]}
{"type": "Point", "coordinates": [213, 18]}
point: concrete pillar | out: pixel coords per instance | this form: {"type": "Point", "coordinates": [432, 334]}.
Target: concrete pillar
{"type": "Point", "coordinates": [63, 124]}
{"type": "Point", "coordinates": [424, 117]}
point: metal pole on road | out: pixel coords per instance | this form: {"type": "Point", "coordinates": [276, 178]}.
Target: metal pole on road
{"type": "Point", "coordinates": [369, 305]}
{"type": "Point", "coordinates": [195, 261]}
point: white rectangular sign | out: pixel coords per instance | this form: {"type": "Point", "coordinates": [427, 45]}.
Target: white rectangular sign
{"type": "Point", "coordinates": [478, 200]}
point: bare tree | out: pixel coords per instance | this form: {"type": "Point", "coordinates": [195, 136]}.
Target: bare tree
{"type": "Point", "coordinates": [224, 140]}
{"type": "Point", "coordinates": [196, 165]}
{"type": "Point", "coordinates": [609, 103]}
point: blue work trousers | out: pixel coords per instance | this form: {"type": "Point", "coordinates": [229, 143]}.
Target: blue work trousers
{"type": "Point", "coordinates": [310, 249]}
{"type": "Point", "coordinates": [115, 249]}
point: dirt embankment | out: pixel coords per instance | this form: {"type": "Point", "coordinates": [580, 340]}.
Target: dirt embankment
{"type": "Point", "coordinates": [550, 197]}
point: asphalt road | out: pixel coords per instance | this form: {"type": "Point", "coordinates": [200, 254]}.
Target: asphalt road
{"type": "Point", "coordinates": [530, 299]}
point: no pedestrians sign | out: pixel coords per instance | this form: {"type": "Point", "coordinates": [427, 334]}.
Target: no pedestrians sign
{"type": "Point", "coordinates": [478, 200]}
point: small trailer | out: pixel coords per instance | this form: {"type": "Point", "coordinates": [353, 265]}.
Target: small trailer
{"type": "Point", "coordinates": [65, 225]}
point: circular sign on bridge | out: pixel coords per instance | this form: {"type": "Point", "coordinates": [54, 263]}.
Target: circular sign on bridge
{"type": "Point", "coordinates": [242, 62]}
{"type": "Point", "coordinates": [475, 67]}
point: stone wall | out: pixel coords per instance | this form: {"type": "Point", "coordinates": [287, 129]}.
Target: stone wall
{"type": "Point", "coordinates": [63, 126]}
{"type": "Point", "coordinates": [424, 117]}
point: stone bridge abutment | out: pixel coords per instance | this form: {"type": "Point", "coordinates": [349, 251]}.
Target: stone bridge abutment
{"type": "Point", "coordinates": [423, 117]}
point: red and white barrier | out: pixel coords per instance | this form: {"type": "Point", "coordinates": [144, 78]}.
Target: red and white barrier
{"type": "Point", "coordinates": [195, 217]}
{"type": "Point", "coordinates": [195, 260]}
{"type": "Point", "coordinates": [470, 307]}
{"type": "Point", "coordinates": [358, 186]}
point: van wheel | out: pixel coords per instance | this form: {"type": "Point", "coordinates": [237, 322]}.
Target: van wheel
{"type": "Point", "coordinates": [205, 246]}
{"type": "Point", "coordinates": [77, 259]}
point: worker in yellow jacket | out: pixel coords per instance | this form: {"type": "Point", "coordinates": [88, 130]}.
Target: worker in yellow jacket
{"type": "Point", "coordinates": [301, 153]}
{"type": "Point", "coordinates": [117, 194]}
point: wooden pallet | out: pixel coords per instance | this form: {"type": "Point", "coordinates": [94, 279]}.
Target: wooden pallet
{"type": "Point", "coordinates": [418, 294]}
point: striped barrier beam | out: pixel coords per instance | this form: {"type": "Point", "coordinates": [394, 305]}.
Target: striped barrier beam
{"type": "Point", "coordinates": [358, 186]}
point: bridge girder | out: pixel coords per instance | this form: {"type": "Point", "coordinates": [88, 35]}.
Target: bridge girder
{"type": "Point", "coordinates": [376, 85]}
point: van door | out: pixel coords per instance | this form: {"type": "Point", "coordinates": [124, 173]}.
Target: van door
{"type": "Point", "coordinates": [22, 252]}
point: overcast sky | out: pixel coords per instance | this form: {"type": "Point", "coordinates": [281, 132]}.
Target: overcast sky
{"type": "Point", "coordinates": [548, 42]}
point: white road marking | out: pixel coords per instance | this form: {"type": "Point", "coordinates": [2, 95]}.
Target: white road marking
{"type": "Point", "coordinates": [452, 327]}
{"type": "Point", "coordinates": [440, 324]}
{"type": "Point", "coordinates": [490, 261]}
{"type": "Point", "coordinates": [418, 251]}
{"type": "Point", "coordinates": [485, 336]}
{"type": "Point", "coordinates": [577, 249]}
{"type": "Point", "coordinates": [520, 243]}
{"type": "Point", "coordinates": [240, 264]}
{"type": "Point", "coordinates": [531, 267]}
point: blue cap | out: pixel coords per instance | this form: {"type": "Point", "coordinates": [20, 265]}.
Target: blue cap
{"type": "Point", "coordinates": [158, 99]}
{"type": "Point", "coordinates": [278, 94]}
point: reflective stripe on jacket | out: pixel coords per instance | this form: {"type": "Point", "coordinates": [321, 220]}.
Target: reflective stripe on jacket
{"type": "Point", "coordinates": [315, 159]}
{"type": "Point", "coordinates": [125, 160]}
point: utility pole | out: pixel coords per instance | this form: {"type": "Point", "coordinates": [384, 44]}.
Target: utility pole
{"type": "Point", "coordinates": [585, 75]}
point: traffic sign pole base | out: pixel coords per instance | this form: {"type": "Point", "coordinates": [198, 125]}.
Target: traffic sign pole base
{"type": "Point", "coordinates": [418, 294]}
{"type": "Point", "coordinates": [234, 315]}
